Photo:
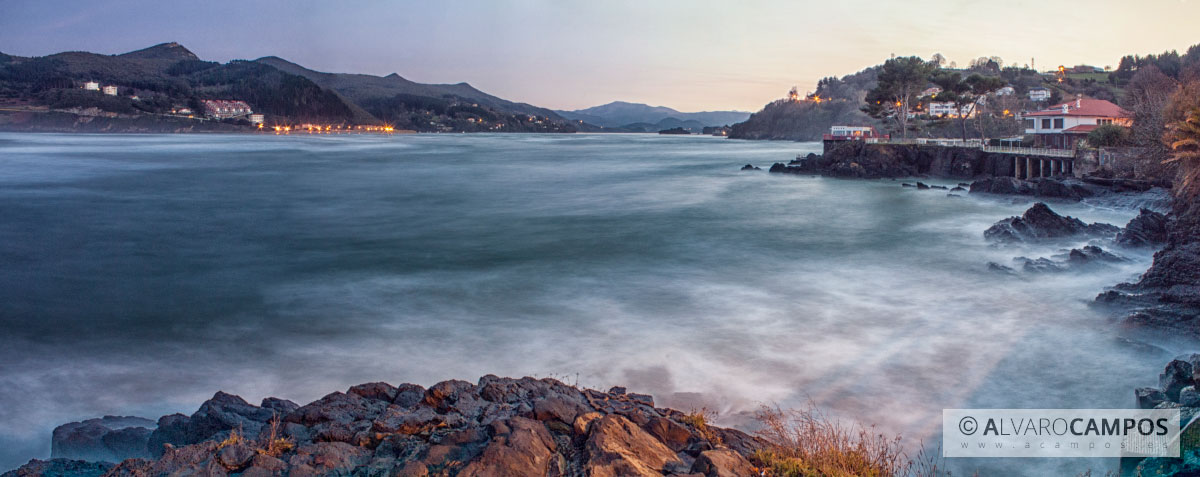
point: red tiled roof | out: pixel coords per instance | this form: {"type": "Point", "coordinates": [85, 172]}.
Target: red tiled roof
{"type": "Point", "coordinates": [1087, 107]}
{"type": "Point", "coordinates": [1082, 129]}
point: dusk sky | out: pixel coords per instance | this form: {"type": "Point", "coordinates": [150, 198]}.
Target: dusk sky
{"type": "Point", "coordinates": [689, 55]}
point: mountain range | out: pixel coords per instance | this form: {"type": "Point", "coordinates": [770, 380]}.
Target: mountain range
{"type": "Point", "coordinates": [624, 115]}
{"type": "Point", "coordinates": [156, 82]}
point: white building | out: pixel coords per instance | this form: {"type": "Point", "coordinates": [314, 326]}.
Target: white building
{"type": "Point", "coordinates": [947, 109]}
{"type": "Point", "coordinates": [256, 119]}
{"type": "Point", "coordinates": [1039, 94]}
{"type": "Point", "coordinates": [110, 90]}
{"type": "Point", "coordinates": [1064, 125]}
{"type": "Point", "coordinates": [1005, 91]}
{"type": "Point", "coordinates": [91, 86]}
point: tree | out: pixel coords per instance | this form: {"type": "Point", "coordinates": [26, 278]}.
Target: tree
{"type": "Point", "coordinates": [899, 82]}
{"type": "Point", "coordinates": [1147, 97]}
{"type": "Point", "coordinates": [938, 60]}
{"type": "Point", "coordinates": [1109, 135]}
{"type": "Point", "coordinates": [965, 94]}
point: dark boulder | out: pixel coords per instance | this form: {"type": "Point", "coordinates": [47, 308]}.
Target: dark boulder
{"type": "Point", "coordinates": [1039, 223]}
{"type": "Point", "coordinates": [217, 416]}
{"type": "Point", "coordinates": [922, 186]}
{"type": "Point", "coordinates": [1002, 185]}
{"type": "Point", "coordinates": [1149, 398]}
{"type": "Point", "coordinates": [1149, 228]}
{"type": "Point", "coordinates": [749, 167]}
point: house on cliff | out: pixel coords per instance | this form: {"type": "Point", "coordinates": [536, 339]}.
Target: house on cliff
{"type": "Point", "coordinates": [1064, 125]}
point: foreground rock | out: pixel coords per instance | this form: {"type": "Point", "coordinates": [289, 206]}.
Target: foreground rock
{"type": "Point", "coordinates": [1177, 388]}
{"type": "Point", "coordinates": [1168, 294]}
{"type": "Point", "coordinates": [495, 427]}
{"type": "Point", "coordinates": [1039, 224]}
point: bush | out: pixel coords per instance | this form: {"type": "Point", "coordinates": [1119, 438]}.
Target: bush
{"type": "Point", "coordinates": [1109, 135]}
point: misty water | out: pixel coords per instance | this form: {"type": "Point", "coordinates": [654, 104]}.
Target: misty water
{"type": "Point", "coordinates": [140, 274]}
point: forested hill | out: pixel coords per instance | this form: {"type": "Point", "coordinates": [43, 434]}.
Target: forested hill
{"type": "Point", "coordinates": [840, 100]}
{"type": "Point", "coordinates": [155, 81]}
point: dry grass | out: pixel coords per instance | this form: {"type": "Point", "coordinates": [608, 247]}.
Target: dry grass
{"type": "Point", "coordinates": [234, 438]}
{"type": "Point", "coordinates": [273, 443]}
{"type": "Point", "coordinates": [698, 420]}
{"type": "Point", "coordinates": [805, 443]}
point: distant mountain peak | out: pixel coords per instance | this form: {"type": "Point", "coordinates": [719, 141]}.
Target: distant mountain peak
{"type": "Point", "coordinates": [163, 51]}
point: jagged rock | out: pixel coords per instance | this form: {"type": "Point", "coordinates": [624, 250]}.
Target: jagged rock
{"type": "Point", "coordinates": [1077, 259]}
{"type": "Point", "coordinates": [219, 415]}
{"type": "Point", "coordinates": [1002, 185]}
{"type": "Point", "coordinates": [922, 186]}
{"type": "Point", "coordinates": [109, 439]}
{"type": "Point", "coordinates": [235, 457]}
{"type": "Point", "coordinates": [499, 426]}
{"type": "Point", "coordinates": [1039, 223]}
{"type": "Point", "coordinates": [750, 167]}
{"type": "Point", "coordinates": [958, 189]}
{"type": "Point", "coordinates": [60, 468]}
{"type": "Point", "coordinates": [939, 187]}
{"type": "Point", "coordinates": [520, 447]}
{"type": "Point", "coordinates": [617, 447]}
{"type": "Point", "coordinates": [1176, 376]}
{"type": "Point", "coordinates": [998, 268]}
{"type": "Point", "coordinates": [669, 432]}
{"type": "Point", "coordinates": [1148, 398]}
{"type": "Point", "coordinates": [1149, 228]}
{"type": "Point", "coordinates": [722, 463]}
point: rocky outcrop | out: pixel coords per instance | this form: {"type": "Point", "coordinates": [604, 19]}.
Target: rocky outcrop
{"type": "Point", "coordinates": [494, 427]}
{"type": "Point", "coordinates": [860, 160]}
{"type": "Point", "coordinates": [1039, 224]}
{"type": "Point", "coordinates": [1168, 294]}
{"type": "Point", "coordinates": [1148, 229]}
{"type": "Point", "coordinates": [107, 439]}
{"type": "Point", "coordinates": [1050, 187]}
{"type": "Point", "coordinates": [751, 167]}
{"type": "Point", "coordinates": [1076, 259]}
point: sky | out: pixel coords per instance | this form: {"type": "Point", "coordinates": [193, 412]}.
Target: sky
{"type": "Point", "coordinates": [564, 54]}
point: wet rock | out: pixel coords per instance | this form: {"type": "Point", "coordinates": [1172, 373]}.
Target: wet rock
{"type": "Point", "coordinates": [1001, 185]}
{"type": "Point", "coordinates": [722, 463]}
{"type": "Point", "coordinates": [938, 187]}
{"type": "Point", "coordinates": [109, 439]}
{"type": "Point", "coordinates": [1148, 398]}
{"type": "Point", "coordinates": [1188, 397]}
{"type": "Point", "coordinates": [1148, 229]}
{"type": "Point", "coordinates": [998, 268]}
{"type": "Point", "coordinates": [905, 184]}
{"type": "Point", "coordinates": [1176, 376]}
{"type": "Point", "coordinates": [922, 186]}
{"type": "Point", "coordinates": [1039, 223]}
{"type": "Point", "coordinates": [60, 468]}
{"type": "Point", "coordinates": [750, 167]}
{"type": "Point", "coordinates": [958, 189]}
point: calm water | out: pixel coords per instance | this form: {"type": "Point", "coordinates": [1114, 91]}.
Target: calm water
{"type": "Point", "coordinates": [139, 274]}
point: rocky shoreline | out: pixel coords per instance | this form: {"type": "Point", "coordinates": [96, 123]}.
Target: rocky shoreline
{"type": "Point", "coordinates": [494, 427]}
{"type": "Point", "coordinates": [1167, 296]}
